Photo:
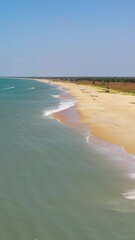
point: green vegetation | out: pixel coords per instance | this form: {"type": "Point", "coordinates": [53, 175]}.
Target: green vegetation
{"type": "Point", "coordinates": [96, 79]}
{"type": "Point", "coordinates": [91, 79]}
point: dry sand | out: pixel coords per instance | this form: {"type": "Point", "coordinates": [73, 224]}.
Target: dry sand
{"type": "Point", "coordinates": [110, 116]}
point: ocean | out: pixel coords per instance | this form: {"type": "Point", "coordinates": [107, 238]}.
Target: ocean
{"type": "Point", "coordinates": [57, 182]}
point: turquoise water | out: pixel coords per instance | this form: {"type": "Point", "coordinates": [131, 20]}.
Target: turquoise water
{"type": "Point", "coordinates": [53, 184]}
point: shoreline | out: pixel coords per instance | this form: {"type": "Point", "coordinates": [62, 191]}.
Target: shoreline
{"type": "Point", "coordinates": [109, 116]}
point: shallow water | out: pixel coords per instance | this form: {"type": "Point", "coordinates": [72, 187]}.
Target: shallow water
{"type": "Point", "coordinates": [53, 183]}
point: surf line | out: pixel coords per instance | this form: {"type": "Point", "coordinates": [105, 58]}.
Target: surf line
{"type": "Point", "coordinates": [62, 106]}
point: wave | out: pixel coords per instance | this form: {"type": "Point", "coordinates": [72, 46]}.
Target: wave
{"type": "Point", "coordinates": [8, 88]}
{"type": "Point", "coordinates": [131, 175]}
{"type": "Point", "coordinates": [32, 88]}
{"type": "Point", "coordinates": [60, 88]}
{"type": "Point", "coordinates": [27, 89]}
{"type": "Point", "coordinates": [88, 139]}
{"type": "Point", "coordinates": [55, 96]}
{"type": "Point", "coordinates": [130, 195]}
{"type": "Point", "coordinates": [62, 106]}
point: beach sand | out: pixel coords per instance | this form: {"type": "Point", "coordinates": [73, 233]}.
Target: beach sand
{"type": "Point", "coordinates": [110, 116]}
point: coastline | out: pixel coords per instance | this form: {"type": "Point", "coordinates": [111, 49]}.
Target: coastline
{"type": "Point", "coordinates": [109, 116]}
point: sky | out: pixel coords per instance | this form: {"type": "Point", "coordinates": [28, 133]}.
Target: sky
{"type": "Point", "coordinates": [67, 38]}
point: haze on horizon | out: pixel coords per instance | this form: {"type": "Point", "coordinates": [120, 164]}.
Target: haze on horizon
{"type": "Point", "coordinates": [67, 38]}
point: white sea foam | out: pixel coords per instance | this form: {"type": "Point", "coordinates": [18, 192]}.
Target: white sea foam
{"type": "Point", "coordinates": [62, 106]}
{"type": "Point", "coordinates": [131, 175]}
{"type": "Point", "coordinates": [27, 89]}
{"type": "Point", "coordinates": [8, 88]}
{"type": "Point", "coordinates": [60, 88]}
{"type": "Point", "coordinates": [32, 88]}
{"type": "Point", "coordinates": [55, 96]}
{"type": "Point", "coordinates": [88, 138]}
{"type": "Point", "coordinates": [130, 195]}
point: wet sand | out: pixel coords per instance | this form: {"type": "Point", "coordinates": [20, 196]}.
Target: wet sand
{"type": "Point", "coordinates": [69, 116]}
{"type": "Point", "coordinates": [110, 116]}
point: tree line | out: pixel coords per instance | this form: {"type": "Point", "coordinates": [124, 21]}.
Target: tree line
{"type": "Point", "coordinates": [91, 79]}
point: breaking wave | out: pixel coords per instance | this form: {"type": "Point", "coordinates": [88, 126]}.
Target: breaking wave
{"type": "Point", "coordinates": [62, 106]}
{"type": "Point", "coordinates": [55, 96]}
{"type": "Point", "coordinates": [8, 88]}
{"type": "Point", "coordinates": [130, 195]}
{"type": "Point", "coordinates": [32, 88]}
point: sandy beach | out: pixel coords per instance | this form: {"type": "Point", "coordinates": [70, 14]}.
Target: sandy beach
{"type": "Point", "coordinates": [110, 116]}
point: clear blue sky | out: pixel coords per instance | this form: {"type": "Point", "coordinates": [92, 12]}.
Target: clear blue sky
{"type": "Point", "coordinates": [67, 37]}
